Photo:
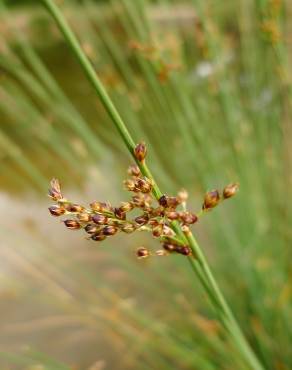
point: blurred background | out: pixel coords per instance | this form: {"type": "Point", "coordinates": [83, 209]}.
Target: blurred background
{"type": "Point", "coordinates": [207, 85]}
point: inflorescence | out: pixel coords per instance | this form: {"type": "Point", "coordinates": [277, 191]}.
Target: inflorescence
{"type": "Point", "coordinates": [101, 220]}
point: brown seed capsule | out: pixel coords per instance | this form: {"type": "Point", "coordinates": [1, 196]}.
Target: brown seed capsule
{"type": "Point", "coordinates": [55, 190]}
{"type": "Point", "coordinates": [140, 151]}
{"type": "Point", "coordinates": [109, 230]}
{"type": "Point", "coordinates": [143, 185]}
{"type": "Point", "coordinates": [168, 202]}
{"type": "Point", "coordinates": [74, 208]}
{"type": "Point", "coordinates": [169, 247]}
{"type": "Point", "coordinates": [130, 185]}
{"type": "Point", "coordinates": [157, 231]}
{"type": "Point", "coordinates": [159, 211]}
{"type": "Point", "coordinates": [163, 201]}
{"type": "Point", "coordinates": [134, 170]}
{"type": "Point", "coordinates": [126, 206]}
{"type": "Point", "coordinates": [99, 219]}
{"type": "Point", "coordinates": [153, 222]}
{"type": "Point", "coordinates": [56, 210]}
{"type": "Point", "coordinates": [119, 214]}
{"type": "Point", "coordinates": [138, 200]}
{"type": "Point", "coordinates": [72, 224]}
{"type": "Point", "coordinates": [91, 228]}
{"type": "Point", "coordinates": [230, 190]}
{"type": "Point", "coordinates": [188, 218]}
{"type": "Point", "coordinates": [212, 198]}
{"type": "Point", "coordinates": [142, 252]}
{"type": "Point", "coordinates": [142, 220]}
{"type": "Point", "coordinates": [95, 206]}
{"type": "Point", "coordinates": [128, 228]}
{"type": "Point", "coordinates": [185, 250]}
{"type": "Point", "coordinates": [172, 215]}
{"type": "Point", "coordinates": [98, 237]}
{"type": "Point", "coordinates": [84, 217]}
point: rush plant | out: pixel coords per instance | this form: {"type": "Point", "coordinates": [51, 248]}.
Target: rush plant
{"type": "Point", "coordinates": [197, 259]}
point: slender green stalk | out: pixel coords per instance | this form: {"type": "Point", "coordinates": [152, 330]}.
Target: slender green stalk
{"type": "Point", "coordinates": [199, 264]}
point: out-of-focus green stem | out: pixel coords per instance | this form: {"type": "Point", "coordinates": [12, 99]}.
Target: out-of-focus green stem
{"type": "Point", "coordinates": [199, 263]}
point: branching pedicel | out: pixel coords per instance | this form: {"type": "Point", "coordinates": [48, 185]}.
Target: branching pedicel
{"type": "Point", "coordinates": [101, 220]}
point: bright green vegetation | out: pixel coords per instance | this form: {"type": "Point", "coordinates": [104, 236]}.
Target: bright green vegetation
{"type": "Point", "coordinates": [220, 114]}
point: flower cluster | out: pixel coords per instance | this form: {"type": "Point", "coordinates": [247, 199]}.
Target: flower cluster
{"type": "Point", "coordinates": [101, 220]}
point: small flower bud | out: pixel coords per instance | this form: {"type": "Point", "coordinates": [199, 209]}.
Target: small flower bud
{"type": "Point", "coordinates": [56, 210]}
{"type": "Point", "coordinates": [74, 208]}
{"type": "Point", "coordinates": [142, 252]}
{"type": "Point", "coordinates": [143, 185]}
{"type": "Point", "coordinates": [84, 217]}
{"type": "Point", "coordinates": [157, 231]}
{"type": "Point", "coordinates": [159, 211]}
{"type": "Point", "coordinates": [138, 200]}
{"type": "Point", "coordinates": [72, 224]}
{"type": "Point", "coordinates": [96, 206]}
{"type": "Point", "coordinates": [188, 218]}
{"type": "Point", "coordinates": [128, 228]}
{"type": "Point", "coordinates": [230, 190]}
{"type": "Point", "coordinates": [140, 151]}
{"type": "Point", "coordinates": [142, 220]}
{"type": "Point", "coordinates": [98, 237]}
{"type": "Point", "coordinates": [185, 250]}
{"type": "Point", "coordinates": [119, 214]}
{"type": "Point", "coordinates": [168, 202]}
{"type": "Point", "coordinates": [153, 222]}
{"type": "Point", "coordinates": [163, 201]}
{"type": "Point", "coordinates": [134, 170]}
{"type": "Point", "coordinates": [172, 215]}
{"type": "Point", "coordinates": [169, 247]}
{"type": "Point", "coordinates": [99, 219]}
{"type": "Point", "coordinates": [109, 230]}
{"type": "Point", "coordinates": [91, 229]}
{"type": "Point", "coordinates": [185, 229]}
{"type": "Point", "coordinates": [55, 190]}
{"type": "Point", "coordinates": [130, 185]}
{"type": "Point", "coordinates": [126, 206]}
{"type": "Point", "coordinates": [212, 198]}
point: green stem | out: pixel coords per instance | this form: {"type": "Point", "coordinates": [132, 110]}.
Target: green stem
{"type": "Point", "coordinates": [199, 263]}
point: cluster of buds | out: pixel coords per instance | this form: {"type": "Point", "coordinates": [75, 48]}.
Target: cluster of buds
{"type": "Point", "coordinates": [101, 220]}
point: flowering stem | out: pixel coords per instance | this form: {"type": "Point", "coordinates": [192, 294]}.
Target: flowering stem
{"type": "Point", "coordinates": [198, 262]}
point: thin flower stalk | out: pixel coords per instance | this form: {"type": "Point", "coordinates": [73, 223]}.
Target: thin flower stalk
{"type": "Point", "coordinates": [197, 260]}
